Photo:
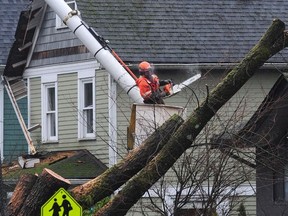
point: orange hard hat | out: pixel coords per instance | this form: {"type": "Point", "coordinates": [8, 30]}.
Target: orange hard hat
{"type": "Point", "coordinates": [144, 66]}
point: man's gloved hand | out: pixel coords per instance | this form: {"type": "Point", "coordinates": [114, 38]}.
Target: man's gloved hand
{"type": "Point", "coordinates": [165, 82]}
{"type": "Point", "coordinates": [169, 81]}
{"type": "Point", "coordinates": [155, 96]}
{"type": "Point", "coordinates": [168, 89]}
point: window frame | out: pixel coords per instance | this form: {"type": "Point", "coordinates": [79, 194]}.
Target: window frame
{"type": "Point", "coordinates": [59, 23]}
{"type": "Point", "coordinates": [46, 113]}
{"type": "Point", "coordinates": [280, 184]}
{"type": "Point", "coordinates": [82, 123]}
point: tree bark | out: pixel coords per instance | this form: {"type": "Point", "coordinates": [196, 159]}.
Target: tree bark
{"type": "Point", "coordinates": [21, 191]}
{"type": "Point", "coordinates": [104, 185]}
{"type": "Point", "coordinates": [45, 187]}
{"type": "Point", "coordinates": [274, 40]}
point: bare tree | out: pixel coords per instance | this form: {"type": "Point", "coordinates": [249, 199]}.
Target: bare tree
{"type": "Point", "coordinates": [205, 178]}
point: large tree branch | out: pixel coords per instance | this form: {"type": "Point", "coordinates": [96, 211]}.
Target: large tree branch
{"type": "Point", "coordinates": [105, 184]}
{"type": "Point", "coordinates": [273, 41]}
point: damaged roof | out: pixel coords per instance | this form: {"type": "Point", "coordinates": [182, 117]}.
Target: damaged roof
{"type": "Point", "coordinates": [74, 164]}
{"type": "Point", "coordinates": [9, 14]}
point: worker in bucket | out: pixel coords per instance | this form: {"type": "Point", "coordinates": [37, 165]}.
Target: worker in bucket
{"type": "Point", "coordinates": [149, 85]}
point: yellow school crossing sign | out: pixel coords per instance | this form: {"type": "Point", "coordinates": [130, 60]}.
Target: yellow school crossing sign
{"type": "Point", "coordinates": [61, 204]}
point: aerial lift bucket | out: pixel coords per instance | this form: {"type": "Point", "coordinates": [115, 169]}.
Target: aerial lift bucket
{"type": "Point", "coordinates": [146, 118]}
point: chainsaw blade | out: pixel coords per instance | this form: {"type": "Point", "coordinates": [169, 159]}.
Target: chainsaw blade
{"type": "Point", "coordinates": [178, 87]}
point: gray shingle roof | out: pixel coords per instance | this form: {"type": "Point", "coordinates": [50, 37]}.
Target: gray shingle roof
{"type": "Point", "coordinates": [183, 31]}
{"type": "Point", "coordinates": [9, 15]}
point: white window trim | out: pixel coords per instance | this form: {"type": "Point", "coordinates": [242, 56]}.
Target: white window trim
{"type": "Point", "coordinates": [81, 124]}
{"type": "Point", "coordinates": [87, 67]}
{"type": "Point", "coordinates": [45, 135]}
{"type": "Point", "coordinates": [59, 23]}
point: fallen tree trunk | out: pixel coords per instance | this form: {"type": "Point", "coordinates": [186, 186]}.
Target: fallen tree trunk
{"type": "Point", "coordinates": [104, 185]}
{"type": "Point", "coordinates": [274, 40]}
{"type": "Point", "coordinates": [46, 185]}
{"type": "Point", "coordinates": [21, 191]}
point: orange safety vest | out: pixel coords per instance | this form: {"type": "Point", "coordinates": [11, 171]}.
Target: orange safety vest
{"type": "Point", "coordinates": [146, 86]}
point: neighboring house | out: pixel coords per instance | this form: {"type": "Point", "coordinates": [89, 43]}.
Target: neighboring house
{"type": "Point", "coordinates": [267, 130]}
{"type": "Point", "coordinates": [12, 140]}
{"type": "Point", "coordinates": [79, 106]}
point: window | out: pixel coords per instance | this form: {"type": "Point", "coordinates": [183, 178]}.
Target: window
{"type": "Point", "coordinates": [59, 22]}
{"type": "Point", "coordinates": [286, 182]}
{"type": "Point", "coordinates": [280, 184]}
{"type": "Point", "coordinates": [188, 212]}
{"type": "Point", "coordinates": [49, 113]}
{"type": "Point", "coordinates": [86, 108]}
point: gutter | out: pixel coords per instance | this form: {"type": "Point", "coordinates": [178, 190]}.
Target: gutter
{"type": "Point", "coordinates": [207, 65]}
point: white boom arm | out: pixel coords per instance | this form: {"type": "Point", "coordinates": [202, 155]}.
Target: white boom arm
{"type": "Point", "coordinates": [97, 46]}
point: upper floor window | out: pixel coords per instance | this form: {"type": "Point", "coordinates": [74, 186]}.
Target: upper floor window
{"type": "Point", "coordinates": [286, 182]}
{"type": "Point", "coordinates": [59, 22]}
{"type": "Point", "coordinates": [86, 108]}
{"type": "Point", "coordinates": [280, 183]}
{"type": "Point", "coordinates": [49, 112]}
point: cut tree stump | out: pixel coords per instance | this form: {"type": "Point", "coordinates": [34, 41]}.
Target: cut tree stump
{"type": "Point", "coordinates": [45, 187]}
{"type": "Point", "coordinates": [21, 191]}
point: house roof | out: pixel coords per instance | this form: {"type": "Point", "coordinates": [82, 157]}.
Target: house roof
{"type": "Point", "coordinates": [174, 32]}
{"type": "Point", "coordinates": [74, 164]}
{"type": "Point", "coordinates": [9, 13]}
{"type": "Point", "coordinates": [266, 130]}
{"type": "Point", "coordinates": [268, 125]}
{"type": "Point", "coordinates": [183, 31]}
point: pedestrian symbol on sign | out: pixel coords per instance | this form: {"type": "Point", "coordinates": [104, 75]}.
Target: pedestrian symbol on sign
{"type": "Point", "coordinates": [56, 208]}
{"type": "Point", "coordinates": [61, 204]}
